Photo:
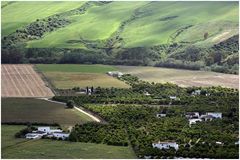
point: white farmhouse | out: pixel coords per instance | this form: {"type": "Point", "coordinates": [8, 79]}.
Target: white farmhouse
{"type": "Point", "coordinates": [194, 121]}
{"type": "Point", "coordinates": [190, 115]}
{"type": "Point", "coordinates": [219, 143]}
{"type": "Point", "coordinates": [159, 115]}
{"type": "Point", "coordinates": [146, 93]}
{"type": "Point", "coordinates": [196, 92]}
{"type": "Point", "coordinates": [61, 135]}
{"type": "Point", "coordinates": [215, 114]}
{"type": "Point", "coordinates": [44, 129]}
{"type": "Point", "coordinates": [115, 74]}
{"type": "Point", "coordinates": [165, 145]}
{"type": "Point", "coordinates": [35, 135]}
{"type": "Point", "coordinates": [207, 117]}
{"type": "Point", "coordinates": [48, 130]}
{"type": "Point", "coordinates": [173, 97]}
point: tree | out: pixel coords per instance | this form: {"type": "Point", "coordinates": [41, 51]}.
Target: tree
{"type": "Point", "coordinates": [205, 35]}
{"type": "Point", "coordinates": [70, 104]}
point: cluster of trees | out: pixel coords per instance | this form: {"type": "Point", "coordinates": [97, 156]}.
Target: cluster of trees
{"type": "Point", "coordinates": [23, 132]}
{"type": "Point", "coordinates": [99, 133]}
{"type": "Point", "coordinates": [138, 124]}
{"type": "Point", "coordinates": [34, 30]}
{"type": "Point", "coordinates": [199, 141]}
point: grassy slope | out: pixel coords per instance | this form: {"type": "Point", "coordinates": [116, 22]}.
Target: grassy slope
{"type": "Point", "coordinates": [44, 149]}
{"type": "Point", "coordinates": [41, 111]}
{"type": "Point", "coordinates": [182, 77]}
{"type": "Point", "coordinates": [205, 16]}
{"type": "Point", "coordinates": [72, 75]}
{"type": "Point", "coordinates": [100, 22]}
{"type": "Point", "coordinates": [19, 14]}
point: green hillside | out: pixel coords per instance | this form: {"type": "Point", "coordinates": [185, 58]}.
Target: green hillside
{"type": "Point", "coordinates": [133, 33]}
{"type": "Point", "coordinates": [19, 14]}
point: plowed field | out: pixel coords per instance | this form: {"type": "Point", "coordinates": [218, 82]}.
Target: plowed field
{"type": "Point", "coordinates": [22, 81]}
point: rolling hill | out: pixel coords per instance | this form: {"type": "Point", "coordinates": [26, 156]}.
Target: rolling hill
{"type": "Point", "coordinates": [159, 30]}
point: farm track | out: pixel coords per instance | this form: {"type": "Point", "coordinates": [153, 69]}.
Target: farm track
{"type": "Point", "coordinates": [22, 81]}
{"type": "Point", "coordinates": [76, 108]}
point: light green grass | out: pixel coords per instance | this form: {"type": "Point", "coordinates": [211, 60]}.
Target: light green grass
{"type": "Point", "coordinates": [75, 68]}
{"type": "Point", "coordinates": [53, 149]}
{"type": "Point", "coordinates": [98, 23]}
{"type": "Point", "coordinates": [40, 111]}
{"type": "Point", "coordinates": [66, 76]}
{"type": "Point", "coordinates": [19, 14]}
{"type": "Point", "coordinates": [212, 17]}
{"type": "Point", "coordinates": [182, 77]}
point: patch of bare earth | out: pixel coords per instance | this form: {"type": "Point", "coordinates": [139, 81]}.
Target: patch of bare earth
{"type": "Point", "coordinates": [20, 80]}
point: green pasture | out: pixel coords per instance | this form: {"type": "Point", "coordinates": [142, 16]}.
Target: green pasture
{"type": "Point", "coordinates": [31, 110]}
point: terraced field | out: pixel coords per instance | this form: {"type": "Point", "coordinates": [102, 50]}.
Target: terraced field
{"type": "Point", "coordinates": [183, 78]}
{"type": "Point", "coordinates": [70, 75]}
{"type": "Point", "coordinates": [22, 81]}
{"type": "Point", "coordinates": [31, 110]}
{"type": "Point", "coordinates": [13, 148]}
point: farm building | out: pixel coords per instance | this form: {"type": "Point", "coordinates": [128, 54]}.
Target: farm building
{"type": "Point", "coordinates": [146, 93]}
{"type": "Point", "coordinates": [196, 92]}
{"type": "Point", "coordinates": [207, 117]}
{"type": "Point", "coordinates": [173, 97]}
{"type": "Point", "coordinates": [191, 115]}
{"type": "Point", "coordinates": [194, 121]}
{"type": "Point", "coordinates": [48, 132]}
{"type": "Point", "coordinates": [61, 135]}
{"type": "Point", "coordinates": [165, 145]}
{"type": "Point", "coordinates": [159, 115]}
{"type": "Point", "coordinates": [215, 114]}
{"type": "Point", "coordinates": [115, 74]}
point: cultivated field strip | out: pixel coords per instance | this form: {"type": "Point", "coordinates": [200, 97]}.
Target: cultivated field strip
{"type": "Point", "coordinates": [22, 81]}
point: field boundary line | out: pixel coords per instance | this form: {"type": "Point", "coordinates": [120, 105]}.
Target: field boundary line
{"type": "Point", "coordinates": [18, 81]}
{"type": "Point", "coordinates": [45, 80]}
{"type": "Point", "coordinates": [20, 75]}
{"type": "Point", "coordinates": [8, 74]}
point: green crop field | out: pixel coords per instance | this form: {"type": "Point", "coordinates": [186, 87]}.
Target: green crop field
{"type": "Point", "coordinates": [18, 14]}
{"type": "Point", "coordinates": [181, 77]}
{"type": "Point", "coordinates": [71, 75]}
{"type": "Point", "coordinates": [13, 148]}
{"type": "Point", "coordinates": [40, 111]}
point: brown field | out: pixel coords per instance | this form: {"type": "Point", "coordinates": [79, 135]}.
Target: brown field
{"type": "Point", "coordinates": [181, 77]}
{"type": "Point", "coordinates": [22, 81]}
{"type": "Point", "coordinates": [40, 111]}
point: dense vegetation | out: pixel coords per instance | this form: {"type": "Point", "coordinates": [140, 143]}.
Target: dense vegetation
{"type": "Point", "coordinates": [209, 42]}
{"type": "Point", "coordinates": [131, 117]}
